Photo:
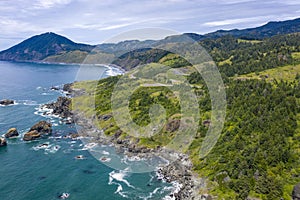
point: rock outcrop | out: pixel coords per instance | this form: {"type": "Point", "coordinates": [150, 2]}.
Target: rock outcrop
{"type": "Point", "coordinates": [173, 125]}
{"type": "Point", "coordinates": [180, 171]}
{"type": "Point", "coordinates": [36, 131]}
{"type": "Point", "coordinates": [61, 107]}
{"type": "Point", "coordinates": [42, 127]}
{"type": "Point", "coordinates": [2, 142]}
{"type": "Point", "coordinates": [31, 135]}
{"type": "Point", "coordinates": [296, 192]}
{"type": "Point", "coordinates": [12, 132]}
{"type": "Point", "coordinates": [68, 88]}
{"type": "Point", "coordinates": [6, 102]}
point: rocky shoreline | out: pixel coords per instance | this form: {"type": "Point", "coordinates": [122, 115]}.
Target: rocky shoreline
{"type": "Point", "coordinates": [178, 171]}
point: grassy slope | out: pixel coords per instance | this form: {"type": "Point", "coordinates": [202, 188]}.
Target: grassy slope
{"type": "Point", "coordinates": [79, 57]}
{"type": "Point", "coordinates": [286, 73]}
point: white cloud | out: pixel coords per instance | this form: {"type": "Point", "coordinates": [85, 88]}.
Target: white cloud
{"type": "Point", "coordinates": [116, 26]}
{"type": "Point", "coordinates": [231, 21]}
{"type": "Point", "coordinates": [45, 4]}
{"type": "Point", "coordinates": [291, 2]}
{"type": "Point", "coordinates": [236, 1]}
{"type": "Point", "coordinates": [12, 26]}
{"type": "Point", "coordinates": [100, 19]}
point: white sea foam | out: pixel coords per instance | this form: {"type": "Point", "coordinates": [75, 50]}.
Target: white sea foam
{"type": "Point", "coordinates": [150, 196]}
{"type": "Point", "coordinates": [89, 146]}
{"type": "Point", "coordinates": [175, 188]}
{"type": "Point", "coordinates": [105, 152]}
{"type": "Point", "coordinates": [134, 158]}
{"type": "Point", "coordinates": [120, 188]}
{"type": "Point", "coordinates": [47, 147]}
{"type": "Point", "coordinates": [24, 102]}
{"type": "Point", "coordinates": [119, 176]}
{"type": "Point", "coordinates": [44, 146]}
{"type": "Point", "coordinates": [53, 149]}
{"type": "Point", "coordinates": [113, 71]}
{"type": "Point", "coordinates": [160, 176]}
{"type": "Point", "coordinates": [46, 94]}
{"type": "Point", "coordinates": [45, 112]}
{"type": "Point", "coordinates": [119, 191]}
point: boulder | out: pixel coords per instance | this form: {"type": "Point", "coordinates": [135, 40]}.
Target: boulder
{"type": "Point", "coordinates": [2, 142]}
{"type": "Point", "coordinates": [296, 192]}
{"type": "Point", "coordinates": [37, 130]}
{"type": "Point", "coordinates": [74, 135]}
{"type": "Point", "coordinates": [173, 125]}
{"type": "Point", "coordinates": [42, 127]}
{"type": "Point", "coordinates": [12, 132]}
{"type": "Point", "coordinates": [31, 135]}
{"type": "Point", "coordinates": [68, 88]}
{"type": "Point", "coordinates": [6, 102]}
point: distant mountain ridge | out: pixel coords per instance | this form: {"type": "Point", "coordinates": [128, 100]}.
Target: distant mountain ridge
{"type": "Point", "coordinates": [268, 30]}
{"type": "Point", "coordinates": [41, 46]}
{"type": "Point", "coordinates": [51, 47]}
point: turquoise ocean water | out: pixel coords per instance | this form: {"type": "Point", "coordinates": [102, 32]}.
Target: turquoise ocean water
{"type": "Point", "coordinates": [28, 172]}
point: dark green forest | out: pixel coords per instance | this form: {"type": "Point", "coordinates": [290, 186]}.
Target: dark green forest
{"type": "Point", "coordinates": [257, 154]}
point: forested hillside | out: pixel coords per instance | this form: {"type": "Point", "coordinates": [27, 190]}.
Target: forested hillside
{"type": "Point", "coordinates": [257, 154]}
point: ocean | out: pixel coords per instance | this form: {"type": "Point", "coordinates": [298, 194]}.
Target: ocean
{"type": "Point", "coordinates": [29, 171]}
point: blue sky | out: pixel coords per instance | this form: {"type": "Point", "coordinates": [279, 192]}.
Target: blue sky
{"type": "Point", "coordinates": [94, 21]}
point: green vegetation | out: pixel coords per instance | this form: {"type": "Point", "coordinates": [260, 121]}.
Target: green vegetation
{"type": "Point", "coordinates": [249, 41]}
{"type": "Point", "coordinates": [257, 154]}
{"type": "Point", "coordinates": [39, 47]}
{"type": "Point", "coordinates": [68, 57]}
{"type": "Point", "coordinates": [237, 58]}
{"type": "Point", "coordinates": [286, 73]}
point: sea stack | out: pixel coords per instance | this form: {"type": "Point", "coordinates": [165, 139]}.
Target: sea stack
{"type": "Point", "coordinates": [12, 132]}
{"type": "Point", "coordinates": [39, 129]}
{"type": "Point", "coordinates": [2, 142]}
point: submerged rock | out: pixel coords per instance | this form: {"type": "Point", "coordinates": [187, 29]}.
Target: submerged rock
{"type": "Point", "coordinates": [64, 195]}
{"type": "Point", "coordinates": [296, 192]}
{"type": "Point", "coordinates": [6, 102]}
{"type": "Point", "coordinates": [12, 132]}
{"type": "Point", "coordinates": [54, 88]}
{"type": "Point", "coordinates": [2, 142]}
